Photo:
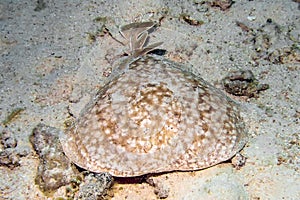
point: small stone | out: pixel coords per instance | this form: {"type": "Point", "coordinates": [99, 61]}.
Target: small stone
{"type": "Point", "coordinates": [222, 4]}
{"type": "Point", "coordinates": [9, 155]}
{"type": "Point", "coordinates": [7, 140]}
{"type": "Point", "coordinates": [9, 158]}
{"type": "Point", "coordinates": [95, 187]}
{"type": "Point", "coordinates": [285, 55]}
{"type": "Point", "coordinates": [238, 161]}
{"type": "Point", "coordinates": [243, 83]}
{"type": "Point", "coordinates": [160, 189]}
{"type": "Point", "coordinates": [10, 142]}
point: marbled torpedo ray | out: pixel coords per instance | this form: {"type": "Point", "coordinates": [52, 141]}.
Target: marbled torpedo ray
{"type": "Point", "coordinates": [154, 116]}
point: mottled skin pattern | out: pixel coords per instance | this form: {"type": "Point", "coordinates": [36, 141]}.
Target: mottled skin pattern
{"type": "Point", "coordinates": [155, 117]}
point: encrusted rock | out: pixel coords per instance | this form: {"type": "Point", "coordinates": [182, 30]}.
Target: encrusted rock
{"type": "Point", "coordinates": [54, 169]}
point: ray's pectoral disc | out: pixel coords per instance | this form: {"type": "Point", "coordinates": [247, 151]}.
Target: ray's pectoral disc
{"type": "Point", "coordinates": [154, 118]}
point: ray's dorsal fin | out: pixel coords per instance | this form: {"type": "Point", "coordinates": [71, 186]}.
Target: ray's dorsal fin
{"type": "Point", "coordinates": [137, 37]}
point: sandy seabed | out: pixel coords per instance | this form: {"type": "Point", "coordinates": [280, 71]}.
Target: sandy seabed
{"type": "Point", "coordinates": [55, 54]}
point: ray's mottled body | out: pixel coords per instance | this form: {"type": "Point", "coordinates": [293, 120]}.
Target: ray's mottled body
{"type": "Point", "coordinates": [154, 116]}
